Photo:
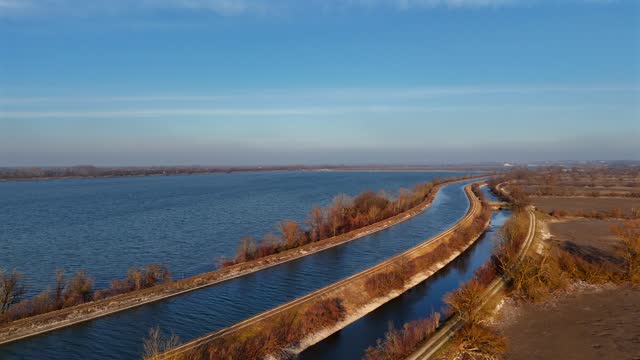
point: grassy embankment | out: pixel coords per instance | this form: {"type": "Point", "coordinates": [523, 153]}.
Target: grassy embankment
{"type": "Point", "coordinates": [291, 327]}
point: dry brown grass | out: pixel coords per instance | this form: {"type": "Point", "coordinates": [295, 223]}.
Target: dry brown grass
{"type": "Point", "coordinates": [477, 342]}
{"type": "Point", "coordinates": [535, 278]}
{"type": "Point", "coordinates": [399, 343]}
{"type": "Point", "coordinates": [576, 267]}
{"type": "Point", "coordinates": [629, 234]}
{"type": "Point", "coordinates": [272, 337]}
{"type": "Point", "coordinates": [380, 284]}
{"type": "Point", "coordinates": [474, 340]}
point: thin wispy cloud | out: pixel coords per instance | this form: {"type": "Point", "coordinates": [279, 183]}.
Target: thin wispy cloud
{"type": "Point", "coordinates": [244, 7]}
{"type": "Point", "coordinates": [219, 112]}
{"type": "Point", "coordinates": [422, 4]}
{"type": "Point", "coordinates": [328, 93]}
{"type": "Point", "coordinates": [13, 4]}
{"type": "Point", "coordinates": [301, 113]}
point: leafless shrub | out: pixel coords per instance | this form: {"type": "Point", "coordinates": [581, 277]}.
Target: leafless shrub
{"type": "Point", "coordinates": [398, 344]}
{"type": "Point", "coordinates": [156, 344]}
{"type": "Point", "coordinates": [381, 284]}
{"type": "Point", "coordinates": [78, 290]}
{"type": "Point", "coordinates": [629, 234]}
{"type": "Point", "coordinates": [343, 215]}
{"type": "Point", "coordinates": [11, 289]}
{"type": "Point", "coordinates": [466, 302]}
{"type": "Point", "coordinates": [477, 342]}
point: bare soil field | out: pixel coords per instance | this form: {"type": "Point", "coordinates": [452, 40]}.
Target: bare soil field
{"type": "Point", "coordinates": [588, 237]}
{"type": "Point", "coordinates": [548, 204]}
{"type": "Point", "coordinates": [588, 324]}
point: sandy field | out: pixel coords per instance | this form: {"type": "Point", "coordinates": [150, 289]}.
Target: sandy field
{"type": "Point", "coordinates": [585, 322]}
{"type": "Point", "coordinates": [591, 238]}
{"type": "Point", "coordinates": [583, 325]}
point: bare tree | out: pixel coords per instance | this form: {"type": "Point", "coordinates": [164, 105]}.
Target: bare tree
{"type": "Point", "coordinates": [246, 249]}
{"type": "Point", "coordinates": [79, 289]}
{"type": "Point", "coordinates": [291, 233]}
{"type": "Point", "coordinates": [59, 289]}
{"type": "Point", "coordinates": [11, 289]}
{"type": "Point", "coordinates": [156, 344]}
{"type": "Point", "coordinates": [316, 223]}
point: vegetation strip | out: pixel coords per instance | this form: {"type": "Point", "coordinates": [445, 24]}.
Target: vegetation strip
{"type": "Point", "coordinates": [278, 328]}
{"type": "Point", "coordinates": [54, 320]}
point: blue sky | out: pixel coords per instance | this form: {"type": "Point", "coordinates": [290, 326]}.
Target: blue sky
{"type": "Point", "coordinates": [140, 82]}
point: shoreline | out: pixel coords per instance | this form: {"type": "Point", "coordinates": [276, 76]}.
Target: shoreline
{"type": "Point", "coordinates": [376, 303]}
{"type": "Point", "coordinates": [40, 324]}
{"type": "Point", "coordinates": [344, 284]}
{"type": "Point", "coordinates": [225, 172]}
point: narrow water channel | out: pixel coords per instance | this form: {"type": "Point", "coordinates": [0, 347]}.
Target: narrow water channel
{"type": "Point", "coordinates": [198, 313]}
{"type": "Point", "coordinates": [417, 303]}
{"type": "Point", "coordinates": [489, 195]}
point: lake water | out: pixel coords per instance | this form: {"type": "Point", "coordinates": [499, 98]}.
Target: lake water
{"type": "Point", "coordinates": [200, 312]}
{"type": "Point", "coordinates": [105, 226]}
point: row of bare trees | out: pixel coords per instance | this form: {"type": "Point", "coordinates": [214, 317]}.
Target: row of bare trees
{"type": "Point", "coordinates": [615, 213]}
{"type": "Point", "coordinates": [343, 215]}
{"type": "Point", "coordinates": [272, 337]}
{"type": "Point", "coordinates": [474, 340]}
{"type": "Point", "coordinates": [65, 293]}
{"type": "Point", "coordinates": [69, 292]}
{"type": "Point", "coordinates": [21, 173]}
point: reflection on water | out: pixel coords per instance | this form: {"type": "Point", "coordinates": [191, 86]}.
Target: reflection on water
{"type": "Point", "coordinates": [417, 303]}
{"type": "Point", "coordinates": [105, 226]}
{"type": "Point", "coordinates": [210, 309]}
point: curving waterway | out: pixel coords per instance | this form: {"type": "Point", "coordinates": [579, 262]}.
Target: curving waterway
{"type": "Point", "coordinates": [417, 303]}
{"type": "Point", "coordinates": [104, 226]}
{"type": "Point", "coordinates": [489, 195]}
{"type": "Point", "coordinates": [204, 311]}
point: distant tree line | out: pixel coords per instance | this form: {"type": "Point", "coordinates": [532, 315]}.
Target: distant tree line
{"type": "Point", "coordinates": [22, 173]}
{"type": "Point", "coordinates": [82, 171]}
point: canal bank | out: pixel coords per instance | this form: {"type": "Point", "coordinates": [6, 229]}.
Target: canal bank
{"type": "Point", "coordinates": [356, 295]}
{"type": "Point", "coordinates": [210, 309]}
{"type": "Point", "coordinates": [417, 303]}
